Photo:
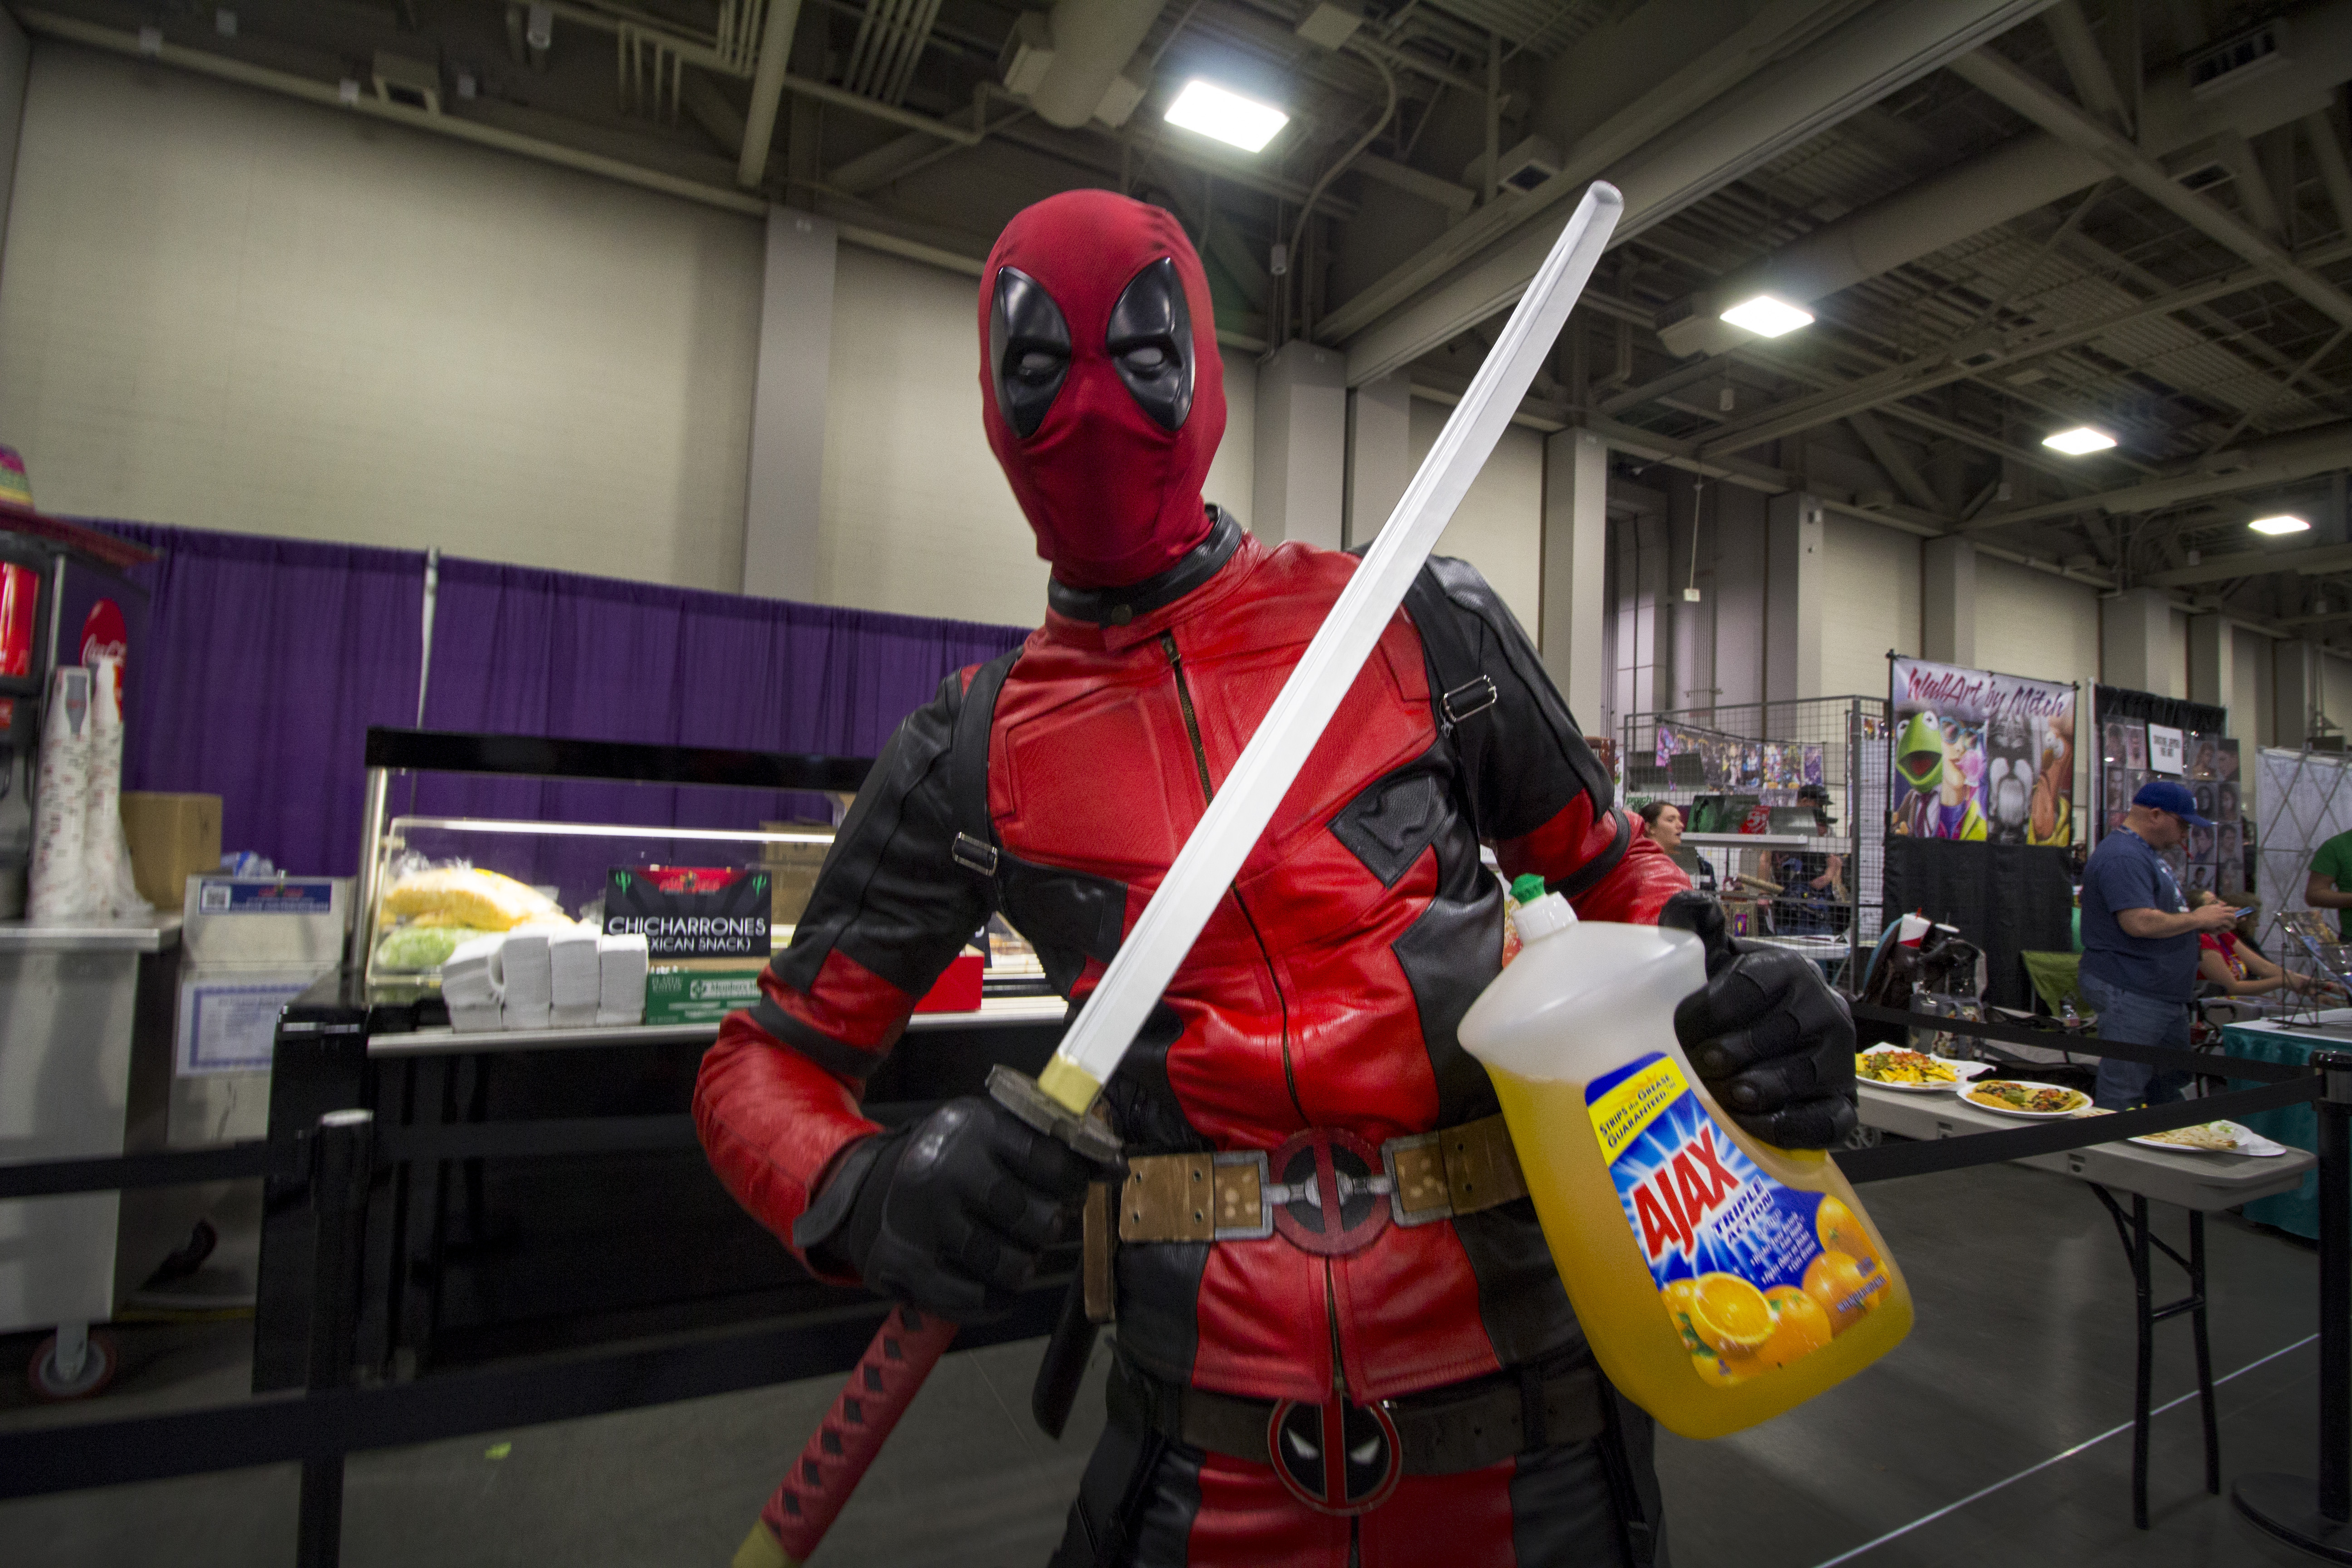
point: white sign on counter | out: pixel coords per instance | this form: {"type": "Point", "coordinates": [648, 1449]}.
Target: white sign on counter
{"type": "Point", "coordinates": [230, 1024]}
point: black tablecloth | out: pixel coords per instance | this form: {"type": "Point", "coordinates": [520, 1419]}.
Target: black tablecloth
{"type": "Point", "coordinates": [2008, 898]}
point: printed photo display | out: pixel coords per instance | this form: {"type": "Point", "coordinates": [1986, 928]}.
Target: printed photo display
{"type": "Point", "coordinates": [2212, 857]}
{"type": "Point", "coordinates": [1982, 756]}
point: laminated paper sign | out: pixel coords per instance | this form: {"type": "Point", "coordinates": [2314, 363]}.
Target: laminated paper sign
{"type": "Point", "coordinates": [2164, 749]}
{"type": "Point", "coordinates": [1982, 756]}
{"type": "Point", "coordinates": [691, 911]}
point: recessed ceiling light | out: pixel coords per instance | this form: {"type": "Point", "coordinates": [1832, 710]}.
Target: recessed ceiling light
{"type": "Point", "coordinates": [2285, 522]}
{"type": "Point", "coordinates": [1768, 317]}
{"type": "Point", "coordinates": [2082, 439]}
{"type": "Point", "coordinates": [1238, 121]}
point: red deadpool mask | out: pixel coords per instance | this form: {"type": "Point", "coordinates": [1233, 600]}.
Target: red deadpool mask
{"type": "Point", "coordinates": [1105, 395]}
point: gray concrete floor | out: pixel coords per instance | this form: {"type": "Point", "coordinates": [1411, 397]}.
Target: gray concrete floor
{"type": "Point", "coordinates": [2022, 1351]}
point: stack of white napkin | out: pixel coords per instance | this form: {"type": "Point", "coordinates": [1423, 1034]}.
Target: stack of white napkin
{"type": "Point", "coordinates": [529, 992]}
{"type": "Point", "coordinates": [470, 984]}
{"type": "Point", "coordinates": [621, 991]}
{"type": "Point", "coordinates": [576, 974]}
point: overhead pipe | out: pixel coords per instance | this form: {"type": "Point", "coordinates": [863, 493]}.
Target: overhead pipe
{"type": "Point", "coordinates": [2014, 178]}
{"type": "Point", "coordinates": [767, 91]}
{"type": "Point", "coordinates": [1093, 39]}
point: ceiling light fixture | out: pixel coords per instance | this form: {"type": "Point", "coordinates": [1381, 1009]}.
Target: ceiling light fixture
{"type": "Point", "coordinates": [2078, 441]}
{"type": "Point", "coordinates": [1230, 118]}
{"type": "Point", "coordinates": [1768, 317]}
{"type": "Point", "coordinates": [2285, 522]}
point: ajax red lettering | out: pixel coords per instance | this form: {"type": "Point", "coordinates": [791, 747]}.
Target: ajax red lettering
{"type": "Point", "coordinates": [1681, 1195]}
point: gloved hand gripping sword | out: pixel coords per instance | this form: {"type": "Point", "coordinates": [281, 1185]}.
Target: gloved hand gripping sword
{"type": "Point", "coordinates": [1057, 1100]}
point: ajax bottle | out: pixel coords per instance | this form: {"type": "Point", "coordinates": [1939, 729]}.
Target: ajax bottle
{"type": "Point", "coordinates": [1720, 1280]}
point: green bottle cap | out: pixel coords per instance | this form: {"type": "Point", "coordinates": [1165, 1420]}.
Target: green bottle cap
{"type": "Point", "coordinates": [1527, 888]}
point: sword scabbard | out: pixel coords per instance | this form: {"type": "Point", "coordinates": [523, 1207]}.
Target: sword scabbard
{"type": "Point", "coordinates": [883, 1383]}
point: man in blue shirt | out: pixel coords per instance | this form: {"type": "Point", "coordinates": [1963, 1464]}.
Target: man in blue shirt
{"type": "Point", "coordinates": [2139, 942]}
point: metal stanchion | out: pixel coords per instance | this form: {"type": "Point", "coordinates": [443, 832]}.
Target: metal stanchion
{"type": "Point", "coordinates": [340, 1169]}
{"type": "Point", "coordinates": [2317, 1517]}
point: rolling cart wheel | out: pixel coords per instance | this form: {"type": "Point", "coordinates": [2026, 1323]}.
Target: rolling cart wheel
{"type": "Point", "coordinates": [49, 1384]}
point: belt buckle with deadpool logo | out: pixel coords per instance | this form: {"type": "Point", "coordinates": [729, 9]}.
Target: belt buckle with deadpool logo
{"type": "Point", "coordinates": [1328, 1192]}
{"type": "Point", "coordinates": [1337, 1457]}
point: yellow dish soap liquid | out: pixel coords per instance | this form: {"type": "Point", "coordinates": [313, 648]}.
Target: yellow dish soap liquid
{"type": "Point", "coordinates": [1720, 1280]}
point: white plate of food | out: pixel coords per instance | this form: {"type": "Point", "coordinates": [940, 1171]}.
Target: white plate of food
{"type": "Point", "coordinates": [2030, 1101]}
{"type": "Point", "coordinates": [2213, 1138]}
{"type": "Point", "coordinates": [1912, 1072]}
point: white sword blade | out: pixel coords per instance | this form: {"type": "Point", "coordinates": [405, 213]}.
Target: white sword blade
{"type": "Point", "coordinates": [1098, 1038]}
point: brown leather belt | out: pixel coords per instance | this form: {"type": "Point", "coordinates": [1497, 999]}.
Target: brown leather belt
{"type": "Point", "coordinates": [1442, 1432]}
{"type": "Point", "coordinates": [1330, 1183]}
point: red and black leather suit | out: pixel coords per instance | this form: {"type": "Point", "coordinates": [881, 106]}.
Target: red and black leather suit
{"type": "Point", "coordinates": [1324, 992]}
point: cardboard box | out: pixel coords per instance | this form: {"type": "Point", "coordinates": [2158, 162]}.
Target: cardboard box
{"type": "Point", "coordinates": [172, 837]}
{"type": "Point", "coordinates": [699, 994]}
{"type": "Point", "coordinates": [958, 990]}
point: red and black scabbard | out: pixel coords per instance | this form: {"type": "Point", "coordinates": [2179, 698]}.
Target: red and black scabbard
{"type": "Point", "coordinates": [879, 1389]}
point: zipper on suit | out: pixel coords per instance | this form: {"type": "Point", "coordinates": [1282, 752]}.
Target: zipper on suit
{"type": "Point", "coordinates": [1209, 793]}
{"type": "Point", "coordinates": [1191, 720]}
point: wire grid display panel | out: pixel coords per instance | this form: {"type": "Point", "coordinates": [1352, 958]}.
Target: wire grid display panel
{"type": "Point", "coordinates": [1768, 751]}
{"type": "Point", "coordinates": [2301, 799]}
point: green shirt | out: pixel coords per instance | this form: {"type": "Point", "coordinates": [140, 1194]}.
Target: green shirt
{"type": "Point", "coordinates": [2335, 861]}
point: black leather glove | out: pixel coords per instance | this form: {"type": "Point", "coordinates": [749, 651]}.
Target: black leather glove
{"type": "Point", "coordinates": [949, 1215]}
{"type": "Point", "coordinates": [1771, 1041]}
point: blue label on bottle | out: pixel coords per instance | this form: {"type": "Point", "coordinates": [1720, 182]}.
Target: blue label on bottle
{"type": "Point", "coordinates": [1754, 1273]}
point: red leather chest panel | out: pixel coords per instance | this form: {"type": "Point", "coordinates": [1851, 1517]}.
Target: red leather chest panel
{"type": "Point", "coordinates": [1296, 1012]}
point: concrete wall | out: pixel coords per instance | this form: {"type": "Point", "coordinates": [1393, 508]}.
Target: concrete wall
{"type": "Point", "coordinates": [2032, 623]}
{"type": "Point", "coordinates": [1873, 585]}
{"type": "Point", "coordinates": [224, 308]}
{"type": "Point", "coordinates": [1498, 528]}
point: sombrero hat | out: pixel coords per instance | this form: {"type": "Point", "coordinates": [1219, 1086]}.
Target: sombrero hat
{"type": "Point", "coordinates": [19, 515]}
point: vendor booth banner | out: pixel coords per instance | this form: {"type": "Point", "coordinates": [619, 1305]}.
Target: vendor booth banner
{"type": "Point", "coordinates": [1981, 756]}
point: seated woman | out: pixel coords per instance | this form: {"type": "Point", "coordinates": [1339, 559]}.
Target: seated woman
{"type": "Point", "coordinates": [2236, 969]}
{"type": "Point", "coordinates": [1665, 820]}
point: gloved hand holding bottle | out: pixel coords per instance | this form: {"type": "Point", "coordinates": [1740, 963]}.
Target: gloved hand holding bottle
{"type": "Point", "coordinates": [1770, 1038]}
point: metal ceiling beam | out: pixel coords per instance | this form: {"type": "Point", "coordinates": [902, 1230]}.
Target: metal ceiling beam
{"type": "Point", "coordinates": [1890, 458]}
{"type": "Point", "coordinates": [1979, 354]}
{"type": "Point", "coordinates": [1716, 71]}
{"type": "Point", "coordinates": [1994, 75]}
{"type": "Point", "coordinates": [1857, 64]}
{"type": "Point", "coordinates": [2277, 461]}
{"type": "Point", "coordinates": [2318, 559]}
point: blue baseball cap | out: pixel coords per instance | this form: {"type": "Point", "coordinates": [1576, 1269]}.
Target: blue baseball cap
{"type": "Point", "coordinates": [2163, 795]}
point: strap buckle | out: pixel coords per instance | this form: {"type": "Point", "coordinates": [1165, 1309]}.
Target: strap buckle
{"type": "Point", "coordinates": [1419, 1193]}
{"type": "Point", "coordinates": [973, 853]}
{"type": "Point", "coordinates": [1470, 698]}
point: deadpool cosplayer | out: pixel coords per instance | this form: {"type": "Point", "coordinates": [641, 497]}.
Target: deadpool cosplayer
{"type": "Point", "coordinates": [1340, 1337]}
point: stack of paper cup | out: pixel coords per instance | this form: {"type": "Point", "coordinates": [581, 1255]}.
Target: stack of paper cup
{"type": "Point", "coordinates": [574, 976]}
{"type": "Point", "coordinates": [104, 842]}
{"type": "Point", "coordinates": [621, 991]}
{"type": "Point", "coordinates": [59, 891]}
{"type": "Point", "coordinates": [470, 984]}
{"type": "Point", "coordinates": [529, 992]}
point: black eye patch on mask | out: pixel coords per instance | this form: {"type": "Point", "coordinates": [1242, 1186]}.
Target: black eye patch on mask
{"type": "Point", "coordinates": [1028, 350]}
{"type": "Point", "coordinates": [1150, 341]}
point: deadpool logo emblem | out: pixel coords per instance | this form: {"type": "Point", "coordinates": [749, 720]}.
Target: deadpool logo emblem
{"type": "Point", "coordinates": [1338, 1457]}
{"type": "Point", "coordinates": [1330, 1196]}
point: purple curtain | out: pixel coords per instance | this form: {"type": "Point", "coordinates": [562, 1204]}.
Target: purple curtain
{"type": "Point", "coordinates": [518, 651]}
{"type": "Point", "coordinates": [266, 661]}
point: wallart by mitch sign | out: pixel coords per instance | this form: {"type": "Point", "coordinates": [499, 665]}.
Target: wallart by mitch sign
{"type": "Point", "coordinates": [1981, 756]}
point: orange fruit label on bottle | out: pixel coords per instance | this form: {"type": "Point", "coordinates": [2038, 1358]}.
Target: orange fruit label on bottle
{"type": "Point", "coordinates": [1754, 1274]}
